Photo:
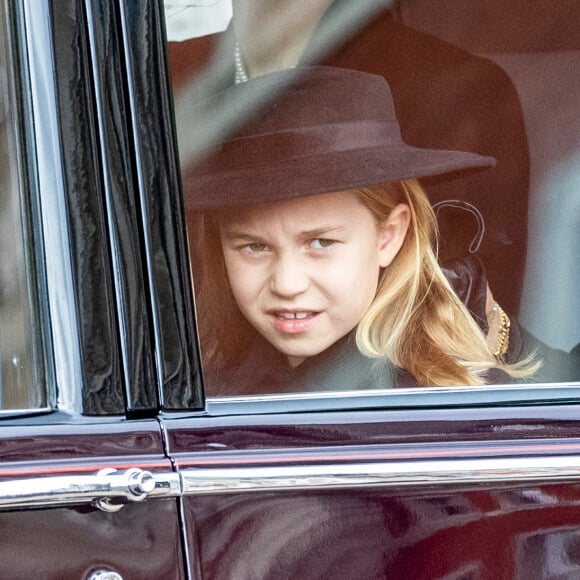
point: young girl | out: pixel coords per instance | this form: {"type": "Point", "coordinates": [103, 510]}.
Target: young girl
{"type": "Point", "coordinates": [318, 253]}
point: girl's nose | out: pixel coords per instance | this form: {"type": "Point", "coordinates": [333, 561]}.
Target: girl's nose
{"type": "Point", "coordinates": [289, 277]}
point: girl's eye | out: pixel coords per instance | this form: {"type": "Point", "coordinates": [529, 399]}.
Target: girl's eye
{"type": "Point", "coordinates": [254, 248]}
{"type": "Point", "coordinates": [321, 243]}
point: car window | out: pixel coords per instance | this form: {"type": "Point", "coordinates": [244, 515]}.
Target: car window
{"type": "Point", "coordinates": [379, 195]}
{"type": "Point", "coordinates": [19, 366]}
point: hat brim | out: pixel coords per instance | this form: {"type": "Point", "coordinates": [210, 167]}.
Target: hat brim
{"type": "Point", "coordinates": [313, 175]}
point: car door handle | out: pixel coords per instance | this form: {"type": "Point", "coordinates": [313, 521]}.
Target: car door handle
{"type": "Point", "coordinates": [109, 489]}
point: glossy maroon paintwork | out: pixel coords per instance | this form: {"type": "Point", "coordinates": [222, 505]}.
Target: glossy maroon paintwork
{"type": "Point", "coordinates": [50, 439]}
{"type": "Point", "coordinates": [481, 531]}
{"type": "Point", "coordinates": [311, 430]}
{"type": "Point", "coordinates": [495, 533]}
{"type": "Point", "coordinates": [139, 542]}
{"type": "Point", "coordinates": [142, 540]}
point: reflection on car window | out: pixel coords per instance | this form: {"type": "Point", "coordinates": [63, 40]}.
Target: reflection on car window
{"type": "Point", "coordinates": [322, 148]}
{"type": "Point", "coordinates": [18, 388]}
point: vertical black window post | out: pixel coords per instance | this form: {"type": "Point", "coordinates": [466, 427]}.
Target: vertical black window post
{"type": "Point", "coordinates": [122, 208]}
{"type": "Point", "coordinates": [93, 291]}
{"type": "Point", "coordinates": [162, 214]}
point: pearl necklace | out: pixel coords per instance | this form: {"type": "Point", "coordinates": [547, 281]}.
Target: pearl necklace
{"type": "Point", "coordinates": [241, 72]}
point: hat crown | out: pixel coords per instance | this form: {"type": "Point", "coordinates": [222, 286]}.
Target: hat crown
{"type": "Point", "coordinates": [323, 96]}
{"type": "Point", "coordinates": [320, 130]}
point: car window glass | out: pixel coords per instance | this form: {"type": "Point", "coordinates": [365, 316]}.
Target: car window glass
{"type": "Point", "coordinates": [18, 386]}
{"type": "Point", "coordinates": [286, 171]}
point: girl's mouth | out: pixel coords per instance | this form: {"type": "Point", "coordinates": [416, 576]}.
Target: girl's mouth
{"type": "Point", "coordinates": [293, 322]}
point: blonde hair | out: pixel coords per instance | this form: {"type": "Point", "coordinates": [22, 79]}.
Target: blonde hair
{"type": "Point", "coordinates": [416, 320]}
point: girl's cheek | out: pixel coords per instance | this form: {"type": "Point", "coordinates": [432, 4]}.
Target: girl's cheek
{"type": "Point", "coordinates": [247, 280]}
{"type": "Point", "coordinates": [235, 276]}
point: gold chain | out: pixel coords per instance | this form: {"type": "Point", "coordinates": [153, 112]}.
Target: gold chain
{"type": "Point", "coordinates": [503, 335]}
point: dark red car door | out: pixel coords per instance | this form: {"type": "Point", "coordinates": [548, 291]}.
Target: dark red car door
{"type": "Point", "coordinates": [373, 494]}
{"type": "Point", "coordinates": [86, 489]}
{"type": "Point", "coordinates": [79, 497]}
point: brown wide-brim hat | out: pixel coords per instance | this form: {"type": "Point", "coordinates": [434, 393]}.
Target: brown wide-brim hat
{"type": "Point", "coordinates": [327, 129]}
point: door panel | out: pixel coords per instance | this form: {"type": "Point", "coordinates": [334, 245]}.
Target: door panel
{"type": "Point", "coordinates": [399, 494]}
{"type": "Point", "coordinates": [492, 533]}
{"type": "Point", "coordinates": [444, 492]}
{"type": "Point", "coordinates": [137, 536]}
{"type": "Point", "coordinates": [72, 542]}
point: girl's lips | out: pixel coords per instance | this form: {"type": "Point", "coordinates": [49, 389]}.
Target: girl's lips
{"type": "Point", "coordinates": [297, 325]}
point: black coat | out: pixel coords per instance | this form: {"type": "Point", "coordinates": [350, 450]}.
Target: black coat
{"type": "Point", "coordinates": [342, 367]}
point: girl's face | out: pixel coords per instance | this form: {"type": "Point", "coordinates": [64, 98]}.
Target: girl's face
{"type": "Point", "coordinates": [304, 272]}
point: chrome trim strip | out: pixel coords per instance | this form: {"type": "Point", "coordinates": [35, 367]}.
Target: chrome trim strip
{"type": "Point", "coordinates": [110, 489]}
{"type": "Point", "coordinates": [120, 486]}
{"type": "Point", "coordinates": [387, 474]}
{"type": "Point", "coordinates": [399, 398]}
{"type": "Point", "coordinates": [17, 413]}
{"type": "Point", "coordinates": [372, 393]}
{"type": "Point", "coordinates": [51, 184]}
